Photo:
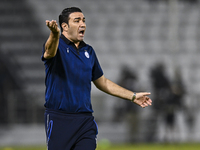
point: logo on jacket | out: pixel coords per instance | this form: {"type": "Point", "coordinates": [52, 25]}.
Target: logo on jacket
{"type": "Point", "coordinates": [87, 54]}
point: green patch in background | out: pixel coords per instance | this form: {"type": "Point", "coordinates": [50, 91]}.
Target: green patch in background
{"type": "Point", "coordinates": [106, 145]}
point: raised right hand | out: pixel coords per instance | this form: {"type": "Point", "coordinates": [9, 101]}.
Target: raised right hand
{"type": "Point", "coordinates": [53, 26]}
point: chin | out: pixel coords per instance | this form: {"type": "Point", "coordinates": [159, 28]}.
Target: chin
{"type": "Point", "coordinates": [81, 39]}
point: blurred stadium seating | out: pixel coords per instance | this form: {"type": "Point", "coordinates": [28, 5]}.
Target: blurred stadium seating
{"type": "Point", "coordinates": [136, 33]}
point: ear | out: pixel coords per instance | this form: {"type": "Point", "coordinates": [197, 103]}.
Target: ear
{"type": "Point", "coordinates": [64, 26]}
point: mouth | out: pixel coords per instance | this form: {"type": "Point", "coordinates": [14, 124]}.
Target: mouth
{"type": "Point", "coordinates": [81, 32]}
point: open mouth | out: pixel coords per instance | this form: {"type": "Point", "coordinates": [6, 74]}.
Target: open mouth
{"type": "Point", "coordinates": [81, 32]}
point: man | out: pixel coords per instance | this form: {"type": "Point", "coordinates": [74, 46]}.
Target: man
{"type": "Point", "coordinates": [71, 65]}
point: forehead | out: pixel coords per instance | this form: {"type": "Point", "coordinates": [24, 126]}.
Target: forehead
{"type": "Point", "coordinates": [76, 15]}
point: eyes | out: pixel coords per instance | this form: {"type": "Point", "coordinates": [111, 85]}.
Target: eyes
{"type": "Point", "coordinates": [77, 20]}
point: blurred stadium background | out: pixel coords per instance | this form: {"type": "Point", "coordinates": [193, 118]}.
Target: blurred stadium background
{"type": "Point", "coordinates": [144, 45]}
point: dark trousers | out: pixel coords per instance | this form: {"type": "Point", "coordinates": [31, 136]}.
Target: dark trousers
{"type": "Point", "coordinates": [70, 131]}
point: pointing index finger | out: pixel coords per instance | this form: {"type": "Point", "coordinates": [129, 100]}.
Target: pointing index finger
{"type": "Point", "coordinates": [146, 93]}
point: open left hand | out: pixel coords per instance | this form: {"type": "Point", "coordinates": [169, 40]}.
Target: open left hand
{"type": "Point", "coordinates": [142, 99]}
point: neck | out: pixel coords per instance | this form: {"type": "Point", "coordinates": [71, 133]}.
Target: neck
{"type": "Point", "coordinates": [76, 43]}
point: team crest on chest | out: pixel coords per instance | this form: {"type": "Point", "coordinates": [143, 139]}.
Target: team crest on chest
{"type": "Point", "coordinates": [87, 54]}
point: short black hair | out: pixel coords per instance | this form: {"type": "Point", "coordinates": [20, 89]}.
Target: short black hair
{"type": "Point", "coordinates": [64, 16]}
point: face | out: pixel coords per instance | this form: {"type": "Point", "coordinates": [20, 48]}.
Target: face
{"type": "Point", "coordinates": [76, 27]}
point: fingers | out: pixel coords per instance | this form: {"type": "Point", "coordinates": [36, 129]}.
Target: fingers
{"type": "Point", "coordinates": [47, 22]}
{"type": "Point", "coordinates": [142, 94]}
{"type": "Point", "coordinates": [147, 101]}
{"type": "Point", "coordinates": [146, 93]}
{"type": "Point", "coordinates": [53, 26]}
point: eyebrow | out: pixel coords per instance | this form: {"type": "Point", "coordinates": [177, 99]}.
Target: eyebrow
{"type": "Point", "coordinates": [79, 18]}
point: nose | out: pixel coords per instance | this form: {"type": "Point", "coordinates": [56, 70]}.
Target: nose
{"type": "Point", "coordinates": [82, 24]}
